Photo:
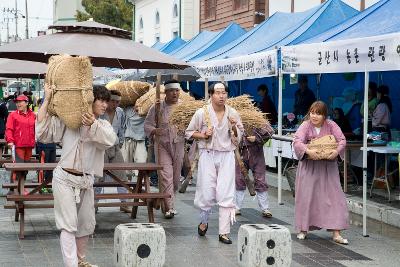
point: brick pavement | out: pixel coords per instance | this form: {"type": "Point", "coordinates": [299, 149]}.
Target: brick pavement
{"type": "Point", "coordinates": [185, 248]}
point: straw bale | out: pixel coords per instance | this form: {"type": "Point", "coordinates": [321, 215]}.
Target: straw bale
{"type": "Point", "coordinates": [72, 91]}
{"type": "Point", "coordinates": [251, 116]}
{"type": "Point", "coordinates": [130, 91]}
{"type": "Point", "coordinates": [182, 113]}
{"type": "Point", "coordinates": [144, 103]}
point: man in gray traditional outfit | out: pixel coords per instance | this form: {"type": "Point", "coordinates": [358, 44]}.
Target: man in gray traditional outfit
{"type": "Point", "coordinates": [82, 158]}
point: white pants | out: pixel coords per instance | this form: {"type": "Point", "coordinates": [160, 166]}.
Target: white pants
{"type": "Point", "coordinates": [262, 198]}
{"type": "Point", "coordinates": [134, 151]}
{"type": "Point", "coordinates": [216, 185]}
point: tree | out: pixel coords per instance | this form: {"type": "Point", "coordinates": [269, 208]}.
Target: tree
{"type": "Point", "coordinates": [117, 13]}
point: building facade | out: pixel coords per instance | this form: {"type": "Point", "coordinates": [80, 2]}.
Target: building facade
{"type": "Point", "coordinates": [65, 10]}
{"type": "Point", "coordinates": [217, 14]}
{"type": "Point", "coordinates": [163, 20]}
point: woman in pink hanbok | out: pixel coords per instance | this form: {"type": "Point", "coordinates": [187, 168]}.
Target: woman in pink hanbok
{"type": "Point", "coordinates": [320, 201]}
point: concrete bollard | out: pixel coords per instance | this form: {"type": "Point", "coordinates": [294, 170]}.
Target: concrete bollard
{"type": "Point", "coordinates": [262, 245]}
{"type": "Point", "coordinates": [139, 245]}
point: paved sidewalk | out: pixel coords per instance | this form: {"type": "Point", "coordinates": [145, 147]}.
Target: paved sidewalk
{"type": "Point", "coordinates": [185, 248]}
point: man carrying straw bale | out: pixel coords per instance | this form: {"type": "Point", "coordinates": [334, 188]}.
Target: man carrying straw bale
{"type": "Point", "coordinates": [134, 147]}
{"type": "Point", "coordinates": [170, 144]}
{"type": "Point", "coordinates": [82, 157]}
{"type": "Point", "coordinates": [252, 154]}
{"type": "Point", "coordinates": [116, 117]}
{"type": "Point", "coordinates": [218, 128]}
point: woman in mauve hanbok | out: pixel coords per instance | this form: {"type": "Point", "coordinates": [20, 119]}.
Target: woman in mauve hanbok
{"type": "Point", "coordinates": [320, 201]}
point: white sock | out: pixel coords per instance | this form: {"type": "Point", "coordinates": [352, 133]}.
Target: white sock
{"type": "Point", "coordinates": [81, 244]}
{"type": "Point", "coordinates": [262, 198]}
{"type": "Point", "coordinates": [68, 249]}
{"type": "Point", "coordinates": [239, 196]}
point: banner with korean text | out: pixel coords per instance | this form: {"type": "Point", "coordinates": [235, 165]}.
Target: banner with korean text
{"type": "Point", "coordinates": [377, 53]}
{"type": "Point", "coordinates": [258, 65]}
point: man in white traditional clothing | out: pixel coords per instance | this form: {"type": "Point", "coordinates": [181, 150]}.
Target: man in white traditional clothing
{"type": "Point", "coordinates": [82, 158]}
{"type": "Point", "coordinates": [170, 144]}
{"type": "Point", "coordinates": [116, 117]}
{"type": "Point", "coordinates": [219, 129]}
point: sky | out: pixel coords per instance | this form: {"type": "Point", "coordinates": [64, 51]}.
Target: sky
{"type": "Point", "coordinates": [40, 13]}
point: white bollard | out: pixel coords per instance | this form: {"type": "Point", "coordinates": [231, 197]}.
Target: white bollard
{"type": "Point", "coordinates": [262, 245]}
{"type": "Point", "coordinates": [139, 245]}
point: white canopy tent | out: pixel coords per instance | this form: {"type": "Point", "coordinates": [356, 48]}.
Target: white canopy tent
{"type": "Point", "coordinates": [376, 53]}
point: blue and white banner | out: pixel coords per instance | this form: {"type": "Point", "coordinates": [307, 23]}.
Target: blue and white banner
{"type": "Point", "coordinates": [377, 53]}
{"type": "Point", "coordinates": [252, 66]}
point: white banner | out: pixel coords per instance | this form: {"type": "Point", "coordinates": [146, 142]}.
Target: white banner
{"type": "Point", "coordinates": [377, 53]}
{"type": "Point", "coordinates": [253, 66]}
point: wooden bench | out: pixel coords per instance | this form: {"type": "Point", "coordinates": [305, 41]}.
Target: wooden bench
{"type": "Point", "coordinates": [140, 198]}
{"type": "Point", "coordinates": [34, 185]}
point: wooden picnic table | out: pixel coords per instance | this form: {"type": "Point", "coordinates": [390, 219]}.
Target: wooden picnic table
{"type": "Point", "coordinates": [140, 197]}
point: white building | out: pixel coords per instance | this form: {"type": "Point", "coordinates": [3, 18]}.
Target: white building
{"type": "Point", "coordinates": [162, 20]}
{"type": "Point", "coordinates": [65, 10]}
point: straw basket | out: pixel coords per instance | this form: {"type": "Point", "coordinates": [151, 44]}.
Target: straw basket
{"type": "Point", "coordinates": [324, 145]}
{"type": "Point", "coordinates": [130, 91]}
{"type": "Point", "coordinates": [72, 91]}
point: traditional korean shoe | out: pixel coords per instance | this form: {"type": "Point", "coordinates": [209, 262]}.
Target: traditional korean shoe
{"type": "Point", "coordinates": [202, 232]}
{"type": "Point", "coordinates": [266, 213]}
{"type": "Point", "coordinates": [301, 235]}
{"type": "Point", "coordinates": [237, 212]}
{"type": "Point", "coordinates": [174, 211]}
{"type": "Point", "coordinates": [341, 240]}
{"type": "Point", "coordinates": [82, 263]}
{"type": "Point", "coordinates": [169, 214]}
{"type": "Point", "coordinates": [225, 239]}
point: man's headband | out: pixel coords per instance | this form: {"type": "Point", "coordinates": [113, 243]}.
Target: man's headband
{"type": "Point", "coordinates": [172, 86]}
{"type": "Point", "coordinates": [115, 98]}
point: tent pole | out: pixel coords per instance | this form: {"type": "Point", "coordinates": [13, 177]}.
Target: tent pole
{"type": "Point", "coordinates": [280, 134]}
{"type": "Point", "coordinates": [365, 131]}
{"type": "Point", "coordinates": [205, 89]}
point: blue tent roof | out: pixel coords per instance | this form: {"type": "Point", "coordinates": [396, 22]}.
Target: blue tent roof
{"type": "Point", "coordinates": [229, 34]}
{"type": "Point", "coordinates": [157, 45]}
{"type": "Point", "coordinates": [194, 44]}
{"type": "Point", "coordinates": [381, 18]}
{"type": "Point", "coordinates": [286, 28]}
{"type": "Point", "coordinates": [172, 45]}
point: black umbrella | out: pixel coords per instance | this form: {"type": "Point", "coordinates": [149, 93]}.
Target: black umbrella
{"type": "Point", "coordinates": [186, 75]}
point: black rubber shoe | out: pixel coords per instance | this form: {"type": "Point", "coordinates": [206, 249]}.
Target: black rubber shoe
{"type": "Point", "coordinates": [202, 232]}
{"type": "Point", "coordinates": [225, 239]}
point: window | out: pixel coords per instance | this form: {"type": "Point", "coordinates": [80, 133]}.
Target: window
{"type": "Point", "coordinates": [175, 12]}
{"type": "Point", "coordinates": [240, 4]}
{"type": "Point", "coordinates": [210, 9]}
{"type": "Point", "coordinates": [157, 18]}
{"type": "Point", "coordinates": [174, 34]}
{"type": "Point", "coordinates": [141, 24]}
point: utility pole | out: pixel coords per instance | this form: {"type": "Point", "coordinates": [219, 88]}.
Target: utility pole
{"type": "Point", "coordinates": [26, 20]}
{"type": "Point", "coordinates": [16, 20]}
{"type": "Point", "coordinates": [7, 21]}
{"type": "Point", "coordinates": [292, 6]}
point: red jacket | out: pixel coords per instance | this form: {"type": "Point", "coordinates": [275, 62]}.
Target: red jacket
{"type": "Point", "coordinates": [20, 128]}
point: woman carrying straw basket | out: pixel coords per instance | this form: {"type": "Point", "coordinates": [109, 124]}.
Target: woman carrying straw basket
{"type": "Point", "coordinates": [320, 201]}
{"type": "Point", "coordinates": [82, 158]}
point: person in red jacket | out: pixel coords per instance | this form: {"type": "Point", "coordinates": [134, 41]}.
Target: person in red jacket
{"type": "Point", "coordinates": [20, 130]}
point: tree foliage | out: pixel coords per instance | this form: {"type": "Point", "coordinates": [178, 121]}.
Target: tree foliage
{"type": "Point", "coordinates": [117, 13]}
